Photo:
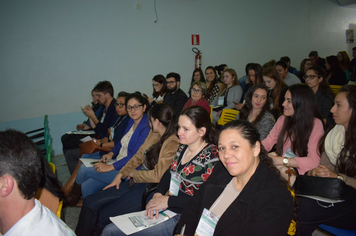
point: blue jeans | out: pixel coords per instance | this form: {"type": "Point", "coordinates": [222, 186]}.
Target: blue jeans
{"type": "Point", "coordinates": [98, 207]}
{"type": "Point", "coordinates": [92, 181]}
{"type": "Point", "coordinates": [163, 229]}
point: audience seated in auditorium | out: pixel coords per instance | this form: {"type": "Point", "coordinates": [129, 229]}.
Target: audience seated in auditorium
{"type": "Point", "coordinates": [304, 65]}
{"type": "Point", "coordinates": [297, 132]}
{"type": "Point", "coordinates": [104, 95]}
{"type": "Point", "coordinates": [288, 77]}
{"type": "Point", "coordinates": [159, 85]}
{"type": "Point", "coordinates": [191, 167]}
{"type": "Point", "coordinates": [245, 194]}
{"type": "Point", "coordinates": [212, 84]}
{"type": "Point", "coordinates": [338, 160]}
{"type": "Point", "coordinates": [336, 76]}
{"type": "Point", "coordinates": [198, 93]}
{"type": "Point", "coordinates": [20, 176]}
{"type": "Point", "coordinates": [256, 110]}
{"type": "Point", "coordinates": [175, 97]}
{"type": "Point", "coordinates": [316, 60]}
{"type": "Point", "coordinates": [315, 79]}
{"type": "Point", "coordinates": [277, 89]}
{"type": "Point", "coordinates": [120, 196]}
{"type": "Point", "coordinates": [231, 94]}
{"type": "Point", "coordinates": [290, 68]}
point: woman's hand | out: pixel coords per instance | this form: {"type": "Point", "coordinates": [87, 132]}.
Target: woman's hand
{"type": "Point", "coordinates": [322, 171]}
{"type": "Point", "coordinates": [277, 160]}
{"type": "Point", "coordinates": [106, 157]}
{"type": "Point", "coordinates": [102, 167]}
{"type": "Point", "coordinates": [116, 182]}
{"type": "Point", "coordinates": [158, 202]}
{"type": "Point", "coordinates": [131, 174]}
{"type": "Point", "coordinates": [150, 100]}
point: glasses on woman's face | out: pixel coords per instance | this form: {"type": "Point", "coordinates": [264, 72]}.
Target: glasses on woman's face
{"type": "Point", "coordinates": [120, 105]}
{"type": "Point", "coordinates": [310, 77]}
{"type": "Point", "coordinates": [134, 107]}
{"type": "Point", "coordinates": [155, 85]}
{"type": "Point", "coordinates": [196, 90]}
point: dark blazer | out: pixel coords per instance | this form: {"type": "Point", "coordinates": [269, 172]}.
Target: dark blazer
{"type": "Point", "coordinates": [264, 206]}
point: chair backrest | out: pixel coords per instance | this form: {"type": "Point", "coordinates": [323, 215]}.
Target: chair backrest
{"type": "Point", "coordinates": [49, 153]}
{"type": "Point", "coordinates": [211, 113]}
{"type": "Point", "coordinates": [227, 115]}
{"type": "Point", "coordinates": [335, 89]}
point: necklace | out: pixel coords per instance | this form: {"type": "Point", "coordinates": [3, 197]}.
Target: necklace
{"type": "Point", "coordinates": [197, 151]}
{"type": "Point", "coordinates": [251, 119]}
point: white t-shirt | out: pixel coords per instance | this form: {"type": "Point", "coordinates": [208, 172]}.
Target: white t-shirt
{"type": "Point", "coordinates": [40, 221]}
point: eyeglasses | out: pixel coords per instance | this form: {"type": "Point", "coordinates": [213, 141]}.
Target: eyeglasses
{"type": "Point", "coordinates": [155, 85]}
{"type": "Point", "coordinates": [134, 107]}
{"type": "Point", "coordinates": [310, 77]}
{"type": "Point", "coordinates": [121, 105]}
{"type": "Point", "coordinates": [171, 82]}
{"type": "Point", "coordinates": [196, 90]}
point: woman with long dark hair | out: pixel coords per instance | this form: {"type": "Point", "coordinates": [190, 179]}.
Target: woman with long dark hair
{"type": "Point", "coordinates": [315, 79]}
{"type": "Point", "coordinates": [256, 110]}
{"type": "Point", "coordinates": [159, 85]}
{"type": "Point", "coordinates": [212, 84]}
{"type": "Point", "coordinates": [297, 132]}
{"type": "Point", "coordinates": [336, 76]}
{"type": "Point", "coordinates": [338, 160]}
{"type": "Point", "coordinates": [191, 167]}
{"type": "Point", "coordinates": [154, 156]}
{"type": "Point", "coordinates": [254, 76]}
{"type": "Point", "coordinates": [277, 89]}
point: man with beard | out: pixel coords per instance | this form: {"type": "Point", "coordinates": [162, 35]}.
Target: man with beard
{"type": "Point", "coordinates": [103, 92]}
{"type": "Point", "coordinates": [175, 97]}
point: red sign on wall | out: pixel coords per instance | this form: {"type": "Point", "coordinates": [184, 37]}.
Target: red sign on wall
{"type": "Point", "coordinates": [195, 39]}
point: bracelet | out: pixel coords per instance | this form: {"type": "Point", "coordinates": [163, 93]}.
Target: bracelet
{"type": "Point", "coordinates": [340, 177]}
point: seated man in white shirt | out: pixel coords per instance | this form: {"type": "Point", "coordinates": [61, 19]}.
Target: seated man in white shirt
{"type": "Point", "coordinates": [20, 175]}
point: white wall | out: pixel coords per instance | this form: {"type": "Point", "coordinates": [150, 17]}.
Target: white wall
{"type": "Point", "coordinates": [52, 53]}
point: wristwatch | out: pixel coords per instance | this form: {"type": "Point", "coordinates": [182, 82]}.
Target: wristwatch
{"type": "Point", "coordinates": [285, 161]}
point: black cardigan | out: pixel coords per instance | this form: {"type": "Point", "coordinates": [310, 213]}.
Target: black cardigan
{"type": "Point", "coordinates": [264, 206]}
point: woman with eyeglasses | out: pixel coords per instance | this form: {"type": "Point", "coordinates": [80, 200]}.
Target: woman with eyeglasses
{"type": "Point", "coordinates": [159, 85]}
{"type": "Point", "coordinates": [315, 79]}
{"type": "Point", "coordinates": [120, 196]}
{"type": "Point", "coordinates": [93, 179]}
{"type": "Point", "coordinates": [197, 98]}
{"type": "Point", "coordinates": [71, 190]}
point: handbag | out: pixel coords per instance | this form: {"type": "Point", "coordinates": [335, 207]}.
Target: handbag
{"type": "Point", "coordinates": [90, 147]}
{"type": "Point", "coordinates": [331, 188]}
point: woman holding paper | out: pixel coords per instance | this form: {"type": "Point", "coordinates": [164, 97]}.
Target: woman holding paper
{"type": "Point", "coordinates": [119, 197]}
{"type": "Point", "coordinates": [93, 179]}
{"type": "Point", "coordinates": [194, 162]}
{"type": "Point", "coordinates": [245, 195]}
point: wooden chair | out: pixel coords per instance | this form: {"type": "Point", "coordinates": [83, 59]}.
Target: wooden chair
{"type": "Point", "coordinates": [227, 115]}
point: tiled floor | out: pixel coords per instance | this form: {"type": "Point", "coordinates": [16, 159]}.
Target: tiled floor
{"type": "Point", "coordinates": [71, 214]}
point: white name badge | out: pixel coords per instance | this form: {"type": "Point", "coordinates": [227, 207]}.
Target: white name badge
{"type": "Point", "coordinates": [289, 153]}
{"type": "Point", "coordinates": [207, 223]}
{"type": "Point", "coordinates": [174, 185]}
{"type": "Point", "coordinates": [112, 130]}
{"type": "Point", "coordinates": [221, 101]}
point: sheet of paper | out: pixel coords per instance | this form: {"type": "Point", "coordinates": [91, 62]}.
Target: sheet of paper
{"type": "Point", "coordinates": [137, 221]}
{"type": "Point", "coordinates": [88, 162]}
{"type": "Point", "coordinates": [85, 132]}
{"type": "Point", "coordinates": [86, 139]}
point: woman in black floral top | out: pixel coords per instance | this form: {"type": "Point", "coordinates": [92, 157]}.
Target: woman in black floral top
{"type": "Point", "coordinates": [191, 167]}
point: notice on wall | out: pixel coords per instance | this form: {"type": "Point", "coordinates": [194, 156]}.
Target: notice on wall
{"type": "Point", "coordinates": [350, 36]}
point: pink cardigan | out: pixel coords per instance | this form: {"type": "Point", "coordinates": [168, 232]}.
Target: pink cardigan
{"type": "Point", "coordinates": [307, 163]}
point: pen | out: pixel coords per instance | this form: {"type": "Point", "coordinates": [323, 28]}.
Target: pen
{"type": "Point", "coordinates": [182, 230]}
